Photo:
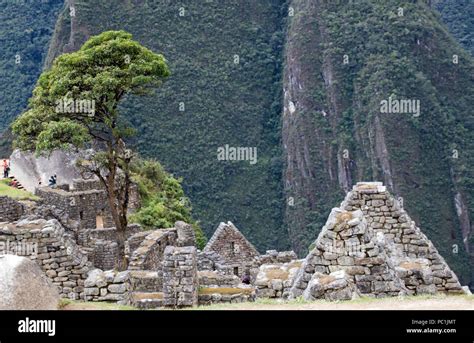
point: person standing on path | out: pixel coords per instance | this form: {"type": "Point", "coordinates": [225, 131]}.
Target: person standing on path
{"type": "Point", "coordinates": [6, 169]}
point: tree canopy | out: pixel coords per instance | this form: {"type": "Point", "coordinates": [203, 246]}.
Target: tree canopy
{"type": "Point", "coordinates": [105, 69]}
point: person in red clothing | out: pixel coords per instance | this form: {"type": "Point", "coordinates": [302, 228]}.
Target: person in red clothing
{"type": "Point", "coordinates": [6, 169]}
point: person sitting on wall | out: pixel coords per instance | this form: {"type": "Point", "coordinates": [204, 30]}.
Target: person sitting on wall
{"type": "Point", "coordinates": [246, 279]}
{"type": "Point", "coordinates": [52, 181]}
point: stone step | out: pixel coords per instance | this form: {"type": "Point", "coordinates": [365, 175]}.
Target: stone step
{"type": "Point", "coordinates": [146, 281]}
{"type": "Point", "coordinates": [18, 185]}
{"type": "Point", "coordinates": [147, 300]}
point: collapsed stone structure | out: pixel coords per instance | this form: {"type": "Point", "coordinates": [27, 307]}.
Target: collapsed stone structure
{"type": "Point", "coordinates": [369, 246]}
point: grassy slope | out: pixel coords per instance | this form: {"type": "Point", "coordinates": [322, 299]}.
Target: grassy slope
{"type": "Point", "coordinates": [25, 30]}
{"type": "Point", "coordinates": [408, 57]}
{"type": "Point", "coordinates": [6, 190]}
{"type": "Point", "coordinates": [225, 103]}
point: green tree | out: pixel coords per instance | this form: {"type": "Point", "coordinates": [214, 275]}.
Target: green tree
{"type": "Point", "coordinates": [163, 199]}
{"type": "Point", "coordinates": [75, 105]}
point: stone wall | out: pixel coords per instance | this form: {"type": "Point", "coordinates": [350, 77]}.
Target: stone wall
{"type": "Point", "coordinates": [214, 278]}
{"type": "Point", "coordinates": [273, 256]}
{"type": "Point", "coordinates": [235, 251]}
{"type": "Point", "coordinates": [149, 254]}
{"type": "Point", "coordinates": [10, 209]}
{"type": "Point", "coordinates": [180, 279]}
{"type": "Point", "coordinates": [55, 251]}
{"type": "Point", "coordinates": [87, 237]}
{"type": "Point", "coordinates": [212, 261]}
{"type": "Point", "coordinates": [379, 249]}
{"type": "Point", "coordinates": [108, 285]}
{"type": "Point", "coordinates": [101, 245]}
{"type": "Point", "coordinates": [347, 243]}
{"type": "Point", "coordinates": [218, 295]}
{"type": "Point", "coordinates": [274, 280]}
{"type": "Point", "coordinates": [104, 255]}
{"type": "Point", "coordinates": [417, 260]}
{"type": "Point", "coordinates": [78, 209]}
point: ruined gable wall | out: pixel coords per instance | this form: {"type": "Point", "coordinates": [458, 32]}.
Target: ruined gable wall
{"type": "Point", "coordinates": [150, 253]}
{"type": "Point", "coordinates": [233, 249]}
{"type": "Point", "coordinates": [417, 260]}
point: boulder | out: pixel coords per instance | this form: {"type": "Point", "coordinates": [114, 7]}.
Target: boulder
{"type": "Point", "coordinates": [23, 286]}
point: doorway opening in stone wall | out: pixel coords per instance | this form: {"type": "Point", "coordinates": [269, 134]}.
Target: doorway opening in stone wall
{"type": "Point", "coordinates": [236, 271]}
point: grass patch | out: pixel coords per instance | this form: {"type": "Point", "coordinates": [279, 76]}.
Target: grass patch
{"type": "Point", "coordinates": [15, 193]}
{"type": "Point", "coordinates": [72, 305]}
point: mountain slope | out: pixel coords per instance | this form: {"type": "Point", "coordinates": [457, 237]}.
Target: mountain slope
{"type": "Point", "coordinates": [224, 89]}
{"type": "Point", "coordinates": [25, 31]}
{"type": "Point", "coordinates": [350, 59]}
{"type": "Point", "coordinates": [458, 15]}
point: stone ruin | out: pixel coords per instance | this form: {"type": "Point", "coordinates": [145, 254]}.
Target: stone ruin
{"type": "Point", "coordinates": [234, 251]}
{"type": "Point", "coordinates": [369, 246]}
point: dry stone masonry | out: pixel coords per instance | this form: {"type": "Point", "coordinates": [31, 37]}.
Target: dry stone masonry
{"type": "Point", "coordinates": [234, 250]}
{"type": "Point", "coordinates": [10, 209]}
{"type": "Point", "coordinates": [108, 286]}
{"type": "Point", "coordinates": [180, 276]}
{"type": "Point", "coordinates": [53, 249]}
{"type": "Point", "coordinates": [346, 243]}
{"type": "Point", "coordinates": [274, 280]}
{"type": "Point", "coordinates": [370, 246]}
{"type": "Point", "coordinates": [414, 256]}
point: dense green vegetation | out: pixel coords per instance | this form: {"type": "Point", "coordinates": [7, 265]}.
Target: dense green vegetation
{"type": "Point", "coordinates": [407, 56]}
{"type": "Point", "coordinates": [26, 28]}
{"type": "Point", "coordinates": [458, 15]}
{"type": "Point", "coordinates": [209, 101]}
{"type": "Point", "coordinates": [163, 199]}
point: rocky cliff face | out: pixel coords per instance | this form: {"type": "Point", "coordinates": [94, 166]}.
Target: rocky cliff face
{"type": "Point", "coordinates": [336, 130]}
